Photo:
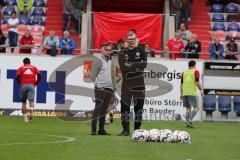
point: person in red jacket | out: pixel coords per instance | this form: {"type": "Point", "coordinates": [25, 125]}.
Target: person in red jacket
{"type": "Point", "coordinates": [28, 76]}
{"type": "Point", "coordinates": [175, 46]}
{"type": "Point", "coordinates": [26, 42]}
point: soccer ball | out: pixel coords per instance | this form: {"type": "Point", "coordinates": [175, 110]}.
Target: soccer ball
{"type": "Point", "coordinates": [154, 135]}
{"type": "Point", "coordinates": [140, 135]}
{"type": "Point", "coordinates": [184, 137]}
{"type": "Point", "coordinates": [165, 135]}
{"type": "Point", "coordinates": [175, 138]}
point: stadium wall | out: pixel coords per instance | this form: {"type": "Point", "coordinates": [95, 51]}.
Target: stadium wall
{"type": "Point", "coordinates": [65, 86]}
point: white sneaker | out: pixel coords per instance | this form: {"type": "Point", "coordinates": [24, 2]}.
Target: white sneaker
{"type": "Point", "coordinates": [25, 118]}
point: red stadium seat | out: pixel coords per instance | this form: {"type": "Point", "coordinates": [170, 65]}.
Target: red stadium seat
{"type": "Point", "coordinates": [36, 30]}
{"type": "Point", "coordinates": [37, 51]}
{"type": "Point", "coordinates": [38, 41]}
{"type": "Point", "coordinates": [21, 29]}
{"type": "Point", "coordinates": [221, 35]}
{"type": "Point", "coordinates": [4, 28]}
{"type": "Point", "coordinates": [233, 34]}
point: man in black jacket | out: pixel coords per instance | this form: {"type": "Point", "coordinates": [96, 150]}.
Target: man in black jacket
{"type": "Point", "coordinates": [132, 62]}
{"type": "Point", "coordinates": [193, 47]}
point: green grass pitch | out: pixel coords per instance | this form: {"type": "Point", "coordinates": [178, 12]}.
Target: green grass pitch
{"type": "Point", "coordinates": [42, 139]}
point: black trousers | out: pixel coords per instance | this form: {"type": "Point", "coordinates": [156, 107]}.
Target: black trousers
{"type": "Point", "coordinates": [102, 99]}
{"type": "Point", "coordinates": [136, 93]}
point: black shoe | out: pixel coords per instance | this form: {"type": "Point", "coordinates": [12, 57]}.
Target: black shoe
{"type": "Point", "coordinates": [103, 133]}
{"type": "Point", "coordinates": [121, 134]}
{"type": "Point", "coordinates": [111, 117]}
{"type": "Point", "coordinates": [124, 133]}
{"type": "Point", "coordinates": [189, 125]}
{"type": "Point", "coordinates": [93, 133]}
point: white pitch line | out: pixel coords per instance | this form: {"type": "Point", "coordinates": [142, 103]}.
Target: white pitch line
{"type": "Point", "coordinates": [66, 140]}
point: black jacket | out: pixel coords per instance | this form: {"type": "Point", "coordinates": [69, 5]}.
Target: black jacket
{"type": "Point", "coordinates": [138, 58]}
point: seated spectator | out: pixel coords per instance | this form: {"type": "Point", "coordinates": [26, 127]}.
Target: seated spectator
{"type": "Point", "coordinates": [3, 43]}
{"type": "Point", "coordinates": [37, 20]}
{"type": "Point", "coordinates": [13, 23]}
{"type": "Point", "coordinates": [26, 43]}
{"type": "Point", "coordinates": [24, 6]}
{"type": "Point", "coordinates": [194, 46]}
{"type": "Point", "coordinates": [216, 50]}
{"type": "Point", "coordinates": [232, 50]}
{"type": "Point", "coordinates": [185, 34]}
{"type": "Point", "coordinates": [175, 46]}
{"type": "Point", "coordinates": [39, 3]}
{"type": "Point", "coordinates": [149, 51]}
{"type": "Point", "coordinates": [10, 2]}
{"type": "Point", "coordinates": [51, 43]}
{"type": "Point", "coordinates": [38, 11]}
{"type": "Point", "coordinates": [68, 15]}
{"type": "Point", "coordinates": [67, 44]}
{"type": "Point", "coordinates": [8, 10]}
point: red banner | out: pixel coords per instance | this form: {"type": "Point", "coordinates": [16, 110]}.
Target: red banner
{"type": "Point", "coordinates": [109, 26]}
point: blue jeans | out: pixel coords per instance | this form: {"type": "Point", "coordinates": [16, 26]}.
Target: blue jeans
{"type": "Point", "coordinates": [67, 18]}
{"type": "Point", "coordinates": [13, 38]}
{"type": "Point", "coordinates": [67, 51]}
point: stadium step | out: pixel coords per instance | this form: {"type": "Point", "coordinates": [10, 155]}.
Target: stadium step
{"type": "Point", "coordinates": [200, 24]}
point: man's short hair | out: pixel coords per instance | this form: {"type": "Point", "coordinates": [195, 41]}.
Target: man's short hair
{"type": "Point", "coordinates": [106, 44]}
{"type": "Point", "coordinates": [26, 61]}
{"type": "Point", "coordinates": [191, 63]}
{"type": "Point", "coordinates": [129, 34]}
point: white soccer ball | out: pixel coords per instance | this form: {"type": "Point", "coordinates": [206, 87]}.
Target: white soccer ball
{"type": "Point", "coordinates": [154, 135]}
{"type": "Point", "coordinates": [175, 138]}
{"type": "Point", "coordinates": [140, 135]}
{"type": "Point", "coordinates": [165, 135]}
{"type": "Point", "coordinates": [184, 137]}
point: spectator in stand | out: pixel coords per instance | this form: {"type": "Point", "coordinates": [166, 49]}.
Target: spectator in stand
{"type": "Point", "coordinates": [68, 15]}
{"type": "Point", "coordinates": [176, 9]}
{"type": "Point", "coordinates": [185, 11]}
{"type": "Point", "coordinates": [13, 30]}
{"type": "Point", "coordinates": [185, 34]}
{"type": "Point", "coordinates": [51, 43]}
{"type": "Point", "coordinates": [232, 50]}
{"type": "Point", "coordinates": [194, 46]}
{"type": "Point", "coordinates": [26, 42]}
{"type": "Point", "coordinates": [67, 44]}
{"type": "Point", "coordinates": [79, 8]}
{"type": "Point", "coordinates": [149, 51]}
{"type": "Point", "coordinates": [175, 46]}
{"type": "Point", "coordinates": [3, 43]}
{"type": "Point", "coordinates": [37, 20]}
{"type": "Point", "coordinates": [216, 50]}
{"type": "Point", "coordinates": [24, 6]}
